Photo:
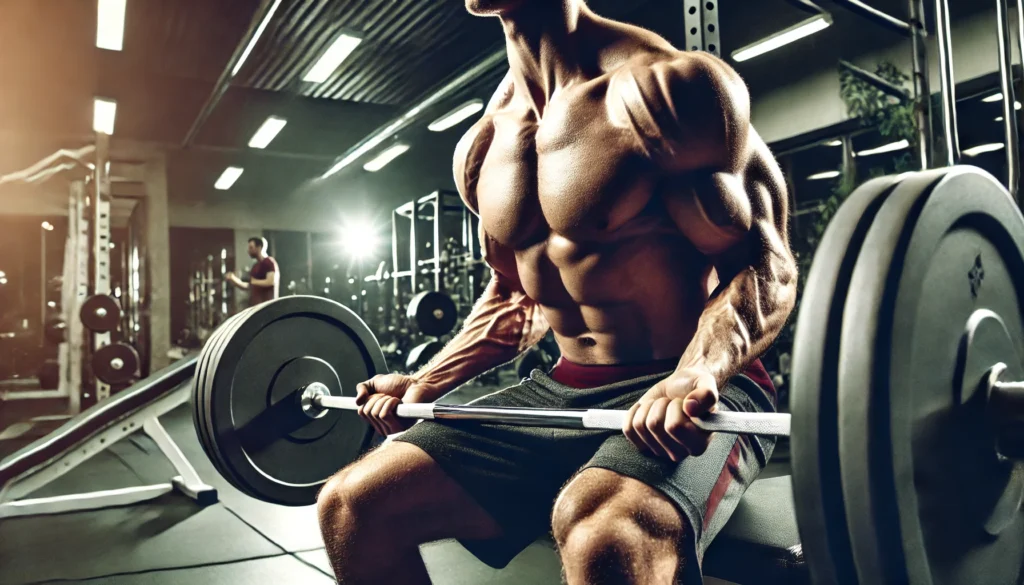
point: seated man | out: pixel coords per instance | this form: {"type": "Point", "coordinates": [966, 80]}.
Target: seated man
{"type": "Point", "coordinates": [618, 183]}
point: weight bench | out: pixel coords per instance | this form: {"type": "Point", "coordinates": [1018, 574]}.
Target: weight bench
{"type": "Point", "coordinates": [92, 431]}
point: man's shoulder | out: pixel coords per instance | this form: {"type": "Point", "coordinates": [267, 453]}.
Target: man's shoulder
{"type": "Point", "coordinates": [269, 263]}
{"type": "Point", "coordinates": [671, 75]}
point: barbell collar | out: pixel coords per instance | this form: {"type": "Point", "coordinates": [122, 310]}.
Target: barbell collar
{"type": "Point", "coordinates": [768, 424]}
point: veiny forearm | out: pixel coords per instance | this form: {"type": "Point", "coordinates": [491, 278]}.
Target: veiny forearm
{"type": "Point", "coordinates": [740, 323]}
{"type": "Point", "coordinates": [503, 324]}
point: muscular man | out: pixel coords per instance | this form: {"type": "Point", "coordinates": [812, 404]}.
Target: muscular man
{"type": "Point", "coordinates": [264, 277]}
{"type": "Point", "coordinates": [626, 204]}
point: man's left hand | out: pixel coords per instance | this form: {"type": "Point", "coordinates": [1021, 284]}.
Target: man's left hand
{"type": "Point", "coordinates": [659, 423]}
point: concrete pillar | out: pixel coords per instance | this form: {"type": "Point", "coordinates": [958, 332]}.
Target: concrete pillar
{"type": "Point", "coordinates": [243, 262]}
{"type": "Point", "coordinates": [158, 261]}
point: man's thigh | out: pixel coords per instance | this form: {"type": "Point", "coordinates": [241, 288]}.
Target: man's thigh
{"type": "Point", "coordinates": [399, 485]}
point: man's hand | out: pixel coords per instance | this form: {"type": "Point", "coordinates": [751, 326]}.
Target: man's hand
{"type": "Point", "coordinates": [378, 399]}
{"type": "Point", "coordinates": [232, 278]}
{"type": "Point", "coordinates": [659, 423]}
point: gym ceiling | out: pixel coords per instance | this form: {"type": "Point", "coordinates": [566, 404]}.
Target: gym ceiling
{"type": "Point", "coordinates": [174, 52]}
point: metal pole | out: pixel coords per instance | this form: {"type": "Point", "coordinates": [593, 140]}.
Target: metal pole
{"type": "Point", "coordinates": [42, 281]}
{"type": "Point", "coordinates": [1009, 101]}
{"type": "Point", "coordinates": [437, 240]}
{"type": "Point", "coordinates": [950, 136]}
{"type": "Point", "coordinates": [413, 266]}
{"type": "Point", "coordinates": [922, 89]}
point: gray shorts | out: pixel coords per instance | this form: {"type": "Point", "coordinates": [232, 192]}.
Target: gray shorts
{"type": "Point", "coordinates": [515, 473]}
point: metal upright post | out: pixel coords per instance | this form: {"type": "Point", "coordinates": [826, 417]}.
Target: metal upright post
{"type": "Point", "coordinates": [922, 89]}
{"type": "Point", "coordinates": [951, 139]}
{"type": "Point", "coordinates": [1009, 100]}
{"type": "Point", "coordinates": [101, 241]}
{"type": "Point", "coordinates": [438, 210]}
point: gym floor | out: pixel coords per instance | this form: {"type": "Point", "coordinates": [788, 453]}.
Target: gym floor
{"type": "Point", "coordinates": [171, 540]}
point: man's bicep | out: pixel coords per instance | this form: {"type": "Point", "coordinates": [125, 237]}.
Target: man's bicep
{"type": "Point", "coordinates": [502, 262]}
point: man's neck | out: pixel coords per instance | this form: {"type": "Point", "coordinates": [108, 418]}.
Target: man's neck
{"type": "Point", "coordinates": [541, 40]}
{"type": "Point", "coordinates": [260, 256]}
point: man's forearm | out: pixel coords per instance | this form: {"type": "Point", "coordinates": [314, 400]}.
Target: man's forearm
{"type": "Point", "coordinates": [502, 325]}
{"type": "Point", "coordinates": [741, 323]}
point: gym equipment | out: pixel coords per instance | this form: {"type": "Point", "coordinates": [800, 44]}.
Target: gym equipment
{"type": "Point", "coordinates": [101, 313]}
{"type": "Point", "coordinates": [116, 363]}
{"type": "Point", "coordinates": [906, 406]}
{"type": "Point", "coordinates": [49, 375]}
{"type": "Point", "coordinates": [434, 313]}
{"type": "Point", "coordinates": [55, 331]}
{"type": "Point", "coordinates": [421, 354]}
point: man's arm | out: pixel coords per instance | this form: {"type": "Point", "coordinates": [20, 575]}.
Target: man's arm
{"type": "Point", "coordinates": [503, 324]}
{"type": "Point", "coordinates": [268, 280]}
{"type": "Point", "coordinates": [734, 211]}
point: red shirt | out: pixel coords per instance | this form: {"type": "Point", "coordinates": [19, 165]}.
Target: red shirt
{"type": "Point", "coordinates": [261, 294]}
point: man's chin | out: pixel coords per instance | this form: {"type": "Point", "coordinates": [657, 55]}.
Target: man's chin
{"type": "Point", "coordinates": [490, 7]}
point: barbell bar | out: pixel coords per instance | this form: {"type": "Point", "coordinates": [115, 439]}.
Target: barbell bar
{"type": "Point", "coordinates": [315, 398]}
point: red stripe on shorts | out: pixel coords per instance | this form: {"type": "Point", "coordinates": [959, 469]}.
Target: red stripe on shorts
{"type": "Point", "coordinates": [729, 471]}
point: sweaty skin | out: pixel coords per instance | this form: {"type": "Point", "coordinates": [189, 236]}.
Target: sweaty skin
{"type": "Point", "coordinates": [615, 191]}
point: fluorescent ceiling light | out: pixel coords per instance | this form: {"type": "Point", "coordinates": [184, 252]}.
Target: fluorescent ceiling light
{"type": "Point", "coordinates": [110, 24]}
{"type": "Point", "coordinates": [228, 178]}
{"type": "Point", "coordinates": [834, 143]}
{"type": "Point", "coordinates": [891, 147]}
{"type": "Point", "coordinates": [255, 38]}
{"type": "Point", "coordinates": [339, 50]}
{"type": "Point", "coordinates": [267, 132]}
{"type": "Point", "coordinates": [104, 112]}
{"type": "Point", "coordinates": [999, 118]}
{"type": "Point", "coordinates": [387, 155]}
{"type": "Point", "coordinates": [784, 37]}
{"type": "Point", "coordinates": [993, 98]}
{"type": "Point", "coordinates": [823, 175]}
{"type": "Point", "coordinates": [983, 148]}
{"type": "Point", "coordinates": [455, 116]}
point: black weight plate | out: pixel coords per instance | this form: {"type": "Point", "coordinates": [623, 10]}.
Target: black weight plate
{"type": "Point", "coordinates": [115, 363]}
{"type": "Point", "coordinates": [223, 333]}
{"type": "Point", "coordinates": [101, 313]}
{"type": "Point", "coordinates": [814, 445]}
{"type": "Point", "coordinates": [919, 468]}
{"type": "Point", "coordinates": [421, 354]}
{"type": "Point", "coordinates": [258, 429]}
{"type": "Point", "coordinates": [434, 313]}
{"type": "Point", "coordinates": [199, 398]}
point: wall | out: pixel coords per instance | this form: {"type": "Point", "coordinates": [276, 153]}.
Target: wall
{"type": "Point", "coordinates": [974, 54]}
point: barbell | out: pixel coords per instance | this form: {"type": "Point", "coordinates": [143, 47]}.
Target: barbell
{"type": "Point", "coordinates": [907, 406]}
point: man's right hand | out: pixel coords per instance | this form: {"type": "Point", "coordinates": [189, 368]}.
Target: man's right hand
{"type": "Point", "coordinates": [378, 399]}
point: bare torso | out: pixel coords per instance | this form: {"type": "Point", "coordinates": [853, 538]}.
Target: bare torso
{"type": "Point", "coordinates": [575, 206]}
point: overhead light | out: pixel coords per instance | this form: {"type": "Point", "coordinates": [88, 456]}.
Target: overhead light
{"type": "Point", "coordinates": [339, 50]}
{"type": "Point", "coordinates": [111, 245]}
{"type": "Point", "coordinates": [891, 147]}
{"type": "Point", "coordinates": [834, 143]}
{"type": "Point", "coordinates": [457, 115]}
{"type": "Point", "coordinates": [267, 132]}
{"type": "Point", "coordinates": [387, 155]}
{"type": "Point", "coordinates": [3, 281]}
{"type": "Point", "coordinates": [823, 175]}
{"type": "Point", "coordinates": [110, 24]}
{"type": "Point", "coordinates": [47, 226]}
{"type": "Point", "coordinates": [51, 304]}
{"type": "Point", "coordinates": [3, 274]}
{"type": "Point", "coordinates": [993, 98]}
{"type": "Point", "coordinates": [228, 178]}
{"type": "Point", "coordinates": [983, 148]}
{"type": "Point", "coordinates": [255, 38]}
{"type": "Point", "coordinates": [104, 112]}
{"type": "Point", "coordinates": [784, 37]}
{"type": "Point", "coordinates": [999, 118]}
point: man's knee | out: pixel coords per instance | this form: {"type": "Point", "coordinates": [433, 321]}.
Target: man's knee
{"type": "Point", "coordinates": [608, 524]}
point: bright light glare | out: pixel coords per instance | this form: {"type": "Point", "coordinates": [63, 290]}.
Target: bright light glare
{"type": "Point", "coordinates": [339, 50]}
{"type": "Point", "coordinates": [387, 155]}
{"type": "Point", "coordinates": [834, 143]}
{"type": "Point", "coordinates": [267, 132]}
{"type": "Point", "coordinates": [456, 116]}
{"type": "Point", "coordinates": [784, 37]}
{"type": "Point", "coordinates": [47, 226]}
{"type": "Point", "coordinates": [51, 304]}
{"type": "Point", "coordinates": [104, 112]}
{"type": "Point", "coordinates": [823, 175]}
{"type": "Point", "coordinates": [228, 178]}
{"type": "Point", "coordinates": [891, 147]}
{"type": "Point", "coordinates": [359, 238]}
{"type": "Point", "coordinates": [3, 274]}
{"type": "Point", "coordinates": [255, 38]}
{"type": "Point", "coordinates": [993, 98]}
{"type": "Point", "coordinates": [3, 281]}
{"type": "Point", "coordinates": [110, 24]}
{"type": "Point", "coordinates": [983, 148]}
